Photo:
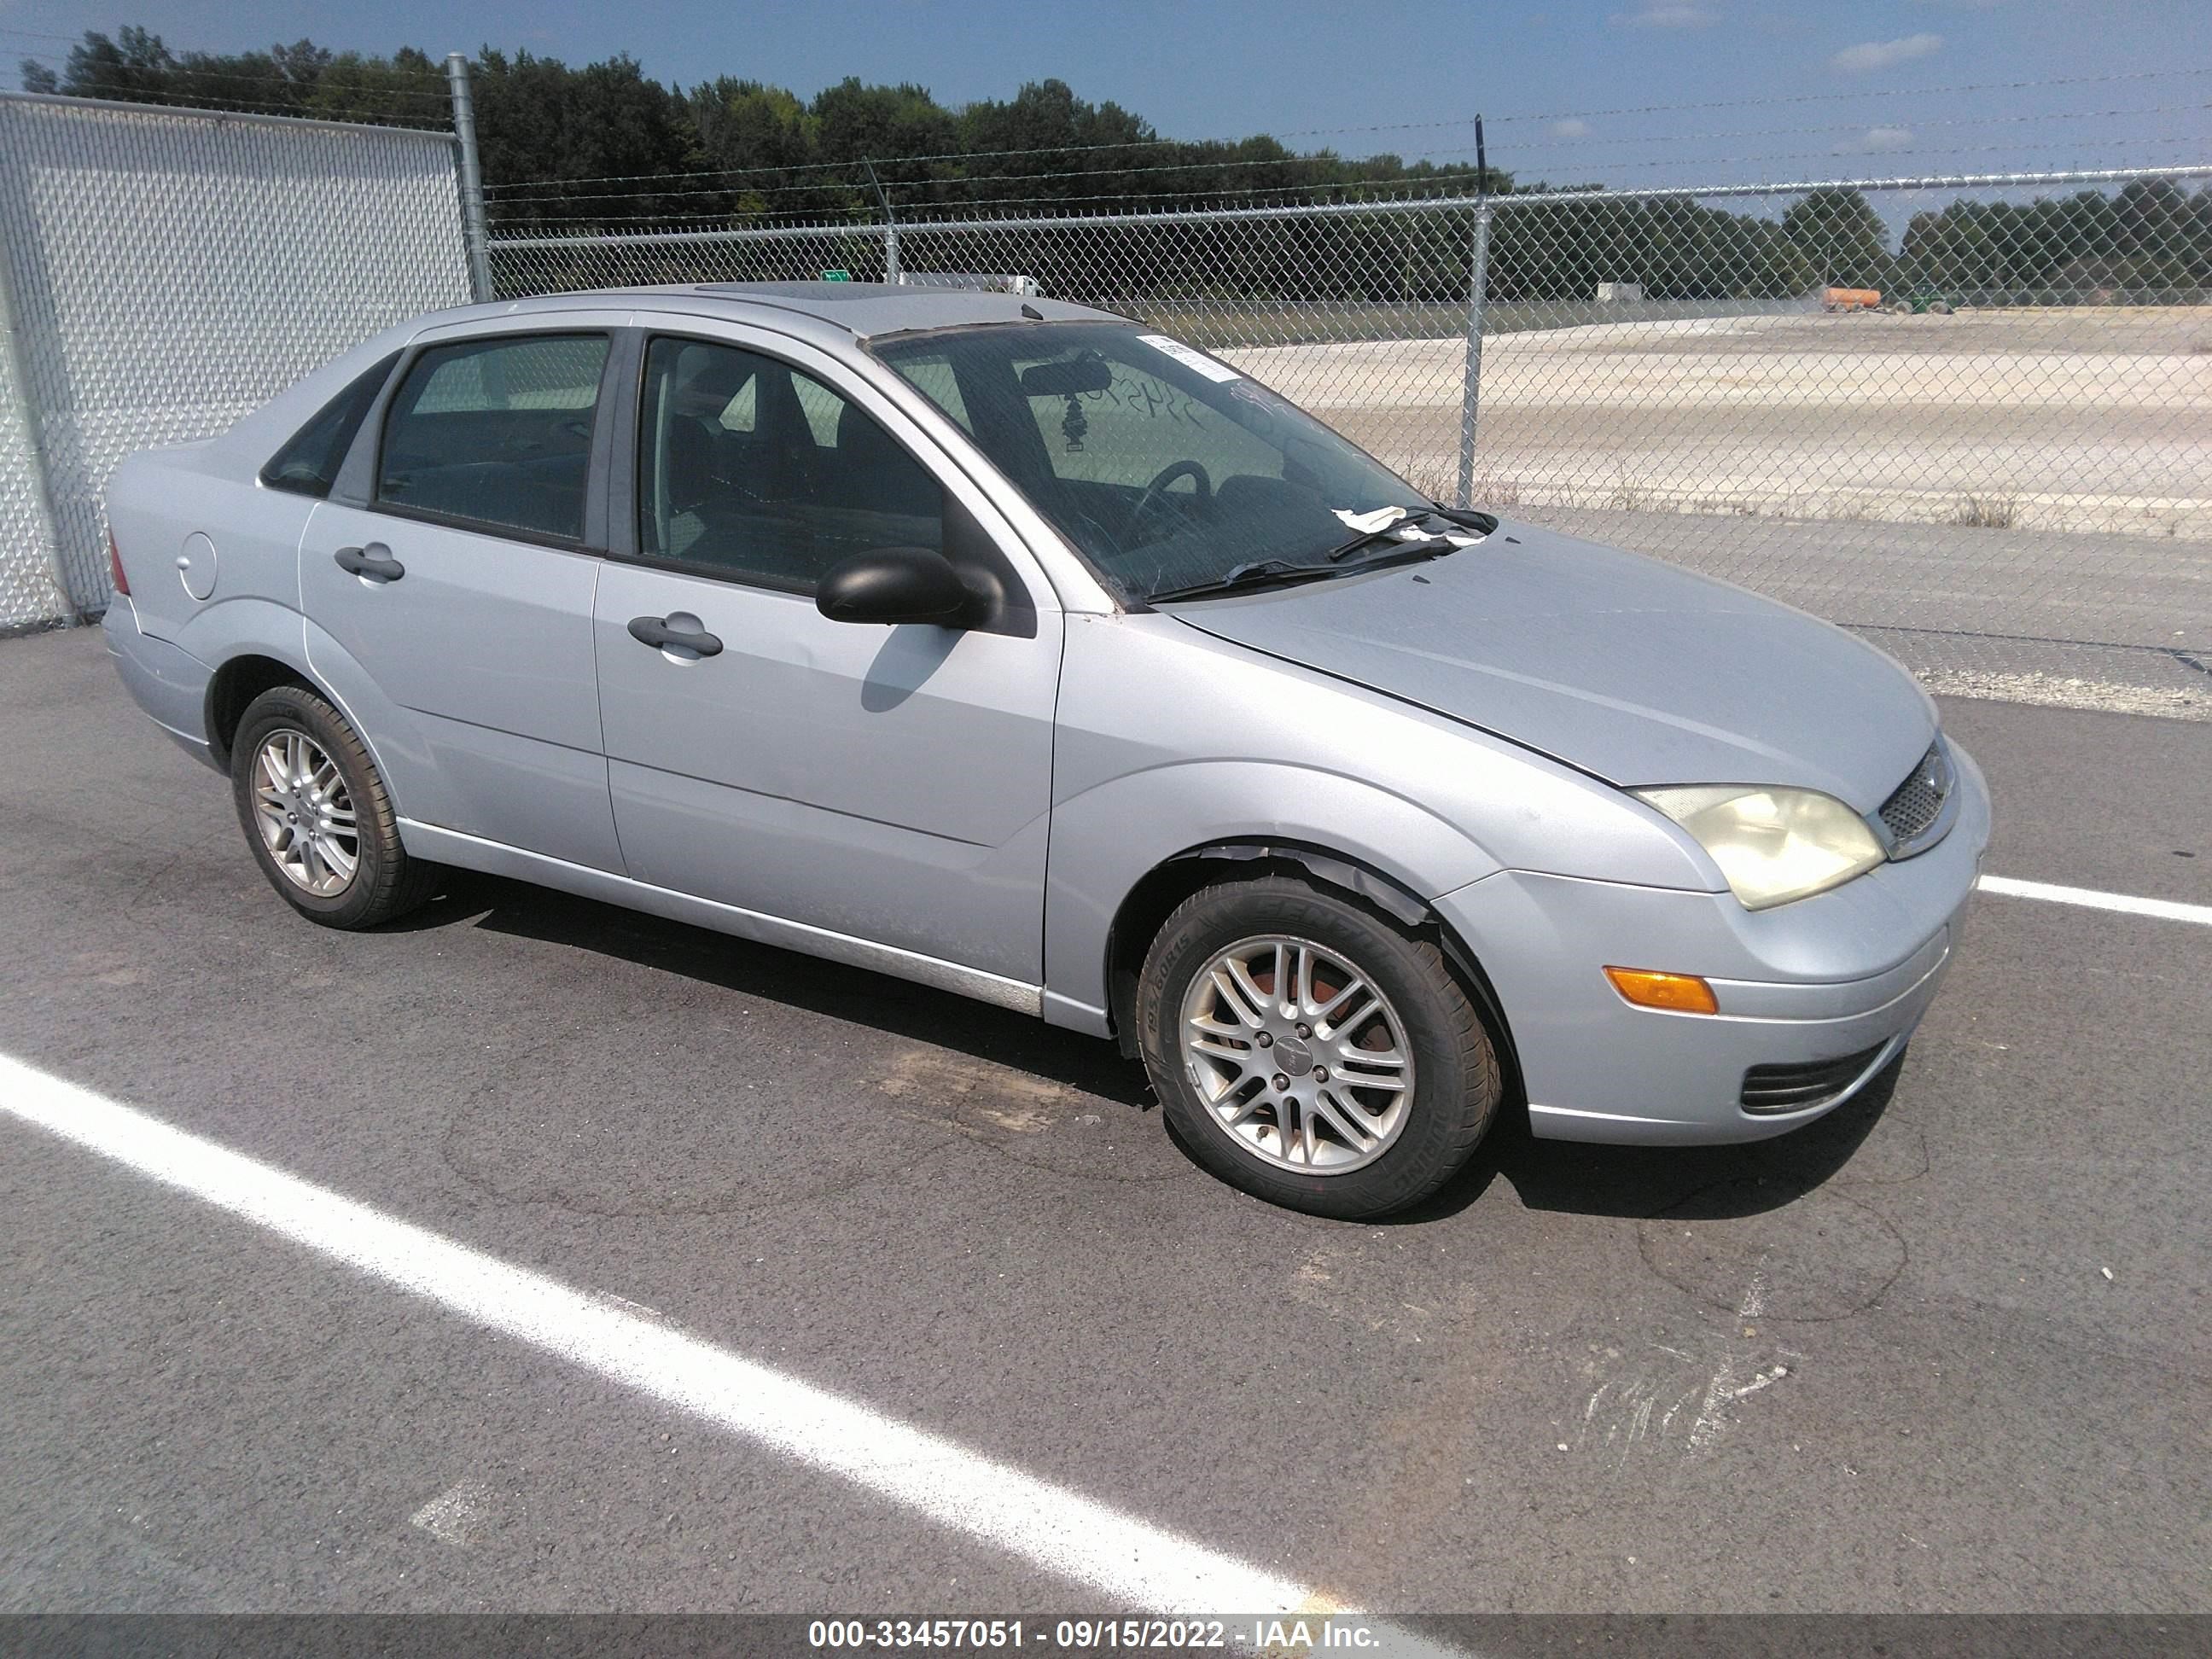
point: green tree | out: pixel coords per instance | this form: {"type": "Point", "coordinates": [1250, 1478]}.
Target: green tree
{"type": "Point", "coordinates": [616, 135]}
{"type": "Point", "coordinates": [135, 64]}
{"type": "Point", "coordinates": [1842, 239]}
{"type": "Point", "coordinates": [761, 140]}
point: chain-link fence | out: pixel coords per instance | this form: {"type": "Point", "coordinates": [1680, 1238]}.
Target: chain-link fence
{"type": "Point", "coordinates": [165, 272]}
{"type": "Point", "coordinates": [1971, 416]}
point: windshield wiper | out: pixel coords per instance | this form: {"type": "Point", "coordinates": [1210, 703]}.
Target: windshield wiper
{"type": "Point", "coordinates": [1253, 573]}
{"type": "Point", "coordinates": [1265, 573]}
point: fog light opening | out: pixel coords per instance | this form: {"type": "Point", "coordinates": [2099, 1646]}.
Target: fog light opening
{"type": "Point", "coordinates": [1673, 993]}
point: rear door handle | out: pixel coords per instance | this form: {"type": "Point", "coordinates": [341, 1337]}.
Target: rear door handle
{"type": "Point", "coordinates": [376, 561]}
{"type": "Point", "coordinates": [655, 631]}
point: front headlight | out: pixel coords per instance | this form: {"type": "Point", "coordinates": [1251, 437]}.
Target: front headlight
{"type": "Point", "coordinates": [1773, 845]}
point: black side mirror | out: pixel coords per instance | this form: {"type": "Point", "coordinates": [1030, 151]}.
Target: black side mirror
{"type": "Point", "coordinates": [895, 585]}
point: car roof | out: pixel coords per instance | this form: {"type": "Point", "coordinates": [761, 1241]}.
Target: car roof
{"type": "Point", "coordinates": [861, 309]}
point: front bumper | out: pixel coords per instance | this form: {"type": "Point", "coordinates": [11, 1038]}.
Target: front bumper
{"type": "Point", "coordinates": [1848, 972]}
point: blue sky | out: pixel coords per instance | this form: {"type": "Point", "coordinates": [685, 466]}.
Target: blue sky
{"type": "Point", "coordinates": [1871, 75]}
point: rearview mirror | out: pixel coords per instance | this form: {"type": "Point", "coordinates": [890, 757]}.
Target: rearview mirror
{"type": "Point", "coordinates": [1068, 377]}
{"type": "Point", "coordinates": [895, 585]}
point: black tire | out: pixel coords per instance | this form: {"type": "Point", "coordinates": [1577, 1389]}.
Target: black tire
{"type": "Point", "coordinates": [385, 881]}
{"type": "Point", "coordinates": [1457, 1082]}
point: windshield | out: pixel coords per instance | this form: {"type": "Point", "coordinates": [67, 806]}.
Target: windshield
{"type": "Point", "coordinates": [1169, 469]}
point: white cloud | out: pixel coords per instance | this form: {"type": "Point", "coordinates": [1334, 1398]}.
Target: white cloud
{"type": "Point", "coordinates": [1880, 54]}
{"type": "Point", "coordinates": [1668, 17]}
{"type": "Point", "coordinates": [1875, 141]}
{"type": "Point", "coordinates": [1571, 127]}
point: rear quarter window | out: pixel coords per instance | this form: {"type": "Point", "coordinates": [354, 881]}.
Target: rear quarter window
{"type": "Point", "coordinates": [309, 461]}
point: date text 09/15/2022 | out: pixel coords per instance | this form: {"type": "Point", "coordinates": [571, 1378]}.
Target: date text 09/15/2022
{"type": "Point", "coordinates": [1260, 1634]}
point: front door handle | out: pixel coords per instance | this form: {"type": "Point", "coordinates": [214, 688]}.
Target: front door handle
{"type": "Point", "coordinates": [376, 561]}
{"type": "Point", "coordinates": [655, 631]}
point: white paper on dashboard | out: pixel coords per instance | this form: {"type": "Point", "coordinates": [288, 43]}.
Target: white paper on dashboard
{"type": "Point", "coordinates": [1191, 357]}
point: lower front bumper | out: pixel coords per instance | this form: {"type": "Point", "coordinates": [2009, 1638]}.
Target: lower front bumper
{"type": "Point", "coordinates": [1690, 1092]}
{"type": "Point", "coordinates": [1850, 972]}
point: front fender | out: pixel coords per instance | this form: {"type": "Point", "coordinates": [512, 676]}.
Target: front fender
{"type": "Point", "coordinates": [1110, 838]}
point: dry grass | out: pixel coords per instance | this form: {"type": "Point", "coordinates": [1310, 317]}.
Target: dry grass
{"type": "Point", "coordinates": [1489, 489]}
{"type": "Point", "coordinates": [1985, 512]}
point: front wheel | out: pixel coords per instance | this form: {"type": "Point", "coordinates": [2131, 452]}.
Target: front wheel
{"type": "Point", "coordinates": [1311, 1052]}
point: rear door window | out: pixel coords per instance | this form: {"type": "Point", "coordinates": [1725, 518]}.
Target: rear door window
{"type": "Point", "coordinates": [496, 432]}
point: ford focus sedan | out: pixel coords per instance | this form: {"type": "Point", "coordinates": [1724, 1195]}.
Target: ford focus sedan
{"type": "Point", "coordinates": [1029, 653]}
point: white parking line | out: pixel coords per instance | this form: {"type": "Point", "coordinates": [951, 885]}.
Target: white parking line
{"type": "Point", "coordinates": [1141, 1567]}
{"type": "Point", "coordinates": [2090, 898]}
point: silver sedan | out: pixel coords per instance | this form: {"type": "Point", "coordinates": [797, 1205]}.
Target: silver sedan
{"type": "Point", "coordinates": [1029, 653]}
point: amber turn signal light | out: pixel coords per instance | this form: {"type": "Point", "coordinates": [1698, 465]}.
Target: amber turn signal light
{"type": "Point", "coordinates": [1677, 993]}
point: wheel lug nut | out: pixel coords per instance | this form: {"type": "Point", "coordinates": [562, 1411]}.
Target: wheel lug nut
{"type": "Point", "coordinates": [1281, 1082]}
{"type": "Point", "coordinates": [1321, 1074]}
{"type": "Point", "coordinates": [1305, 1030]}
{"type": "Point", "coordinates": [1267, 1040]}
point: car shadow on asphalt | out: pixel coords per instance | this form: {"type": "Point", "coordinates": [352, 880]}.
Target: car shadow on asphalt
{"type": "Point", "coordinates": [1705, 1182]}
{"type": "Point", "coordinates": [896, 1007]}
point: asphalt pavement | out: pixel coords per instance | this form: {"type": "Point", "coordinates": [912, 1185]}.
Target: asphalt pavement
{"type": "Point", "coordinates": [1947, 1350]}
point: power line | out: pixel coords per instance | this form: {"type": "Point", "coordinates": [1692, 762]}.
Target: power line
{"type": "Point", "coordinates": [179, 80]}
{"type": "Point", "coordinates": [1903, 150]}
{"type": "Point", "coordinates": [342, 111]}
{"type": "Point", "coordinates": [40, 34]}
{"type": "Point", "coordinates": [1856, 126]}
{"type": "Point", "coordinates": [514, 188]}
{"type": "Point", "coordinates": [1397, 190]}
{"type": "Point", "coordinates": [1638, 160]}
{"type": "Point", "coordinates": [955, 178]}
{"type": "Point", "coordinates": [1758, 103]}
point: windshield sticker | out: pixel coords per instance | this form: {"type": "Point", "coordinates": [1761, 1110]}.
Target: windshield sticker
{"type": "Point", "coordinates": [1190, 357]}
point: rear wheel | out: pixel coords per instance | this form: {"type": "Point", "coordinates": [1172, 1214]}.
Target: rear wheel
{"type": "Point", "coordinates": [317, 815]}
{"type": "Point", "coordinates": [1312, 1052]}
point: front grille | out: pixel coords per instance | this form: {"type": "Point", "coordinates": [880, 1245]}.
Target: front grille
{"type": "Point", "coordinates": [1803, 1082]}
{"type": "Point", "coordinates": [1914, 806]}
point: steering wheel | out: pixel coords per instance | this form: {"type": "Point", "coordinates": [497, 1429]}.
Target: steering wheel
{"type": "Point", "coordinates": [1155, 490]}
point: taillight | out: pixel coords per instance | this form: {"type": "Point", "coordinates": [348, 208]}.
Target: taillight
{"type": "Point", "coordinates": [115, 567]}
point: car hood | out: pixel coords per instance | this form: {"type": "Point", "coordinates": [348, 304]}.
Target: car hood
{"type": "Point", "coordinates": [1638, 671]}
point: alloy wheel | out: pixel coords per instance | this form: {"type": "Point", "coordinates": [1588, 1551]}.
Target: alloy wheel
{"type": "Point", "coordinates": [305, 814]}
{"type": "Point", "coordinates": [1299, 1055]}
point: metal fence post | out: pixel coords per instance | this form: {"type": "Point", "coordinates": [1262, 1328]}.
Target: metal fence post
{"type": "Point", "coordinates": [476, 234]}
{"type": "Point", "coordinates": [15, 365]}
{"type": "Point", "coordinates": [1470, 396]}
{"type": "Point", "coordinates": [891, 225]}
